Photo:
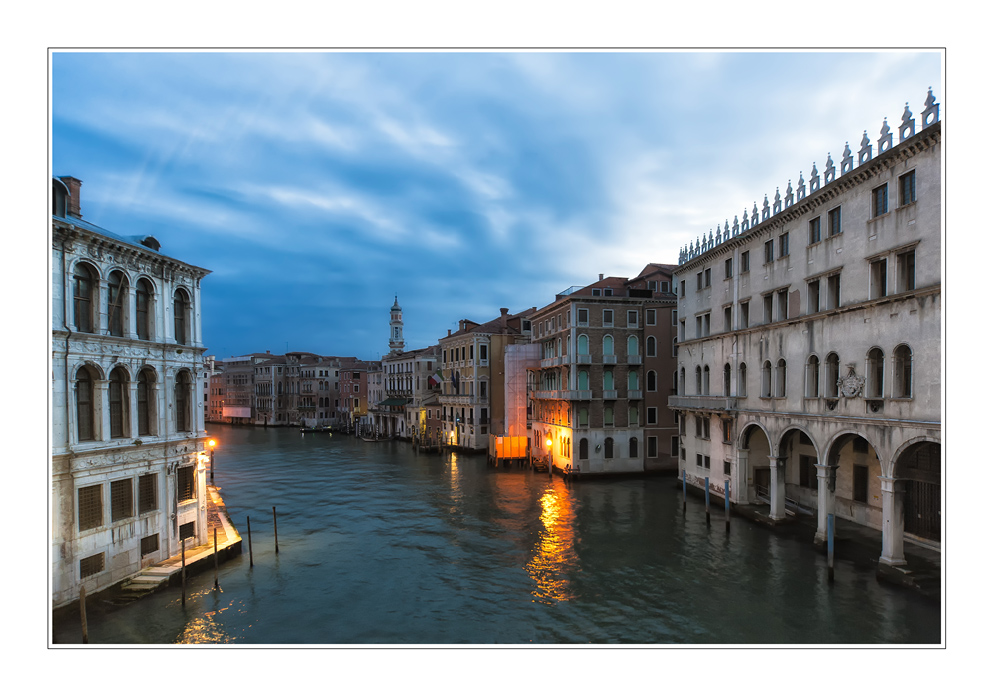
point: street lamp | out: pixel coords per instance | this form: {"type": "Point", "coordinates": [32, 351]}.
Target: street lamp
{"type": "Point", "coordinates": [548, 444]}
{"type": "Point", "coordinates": [212, 443]}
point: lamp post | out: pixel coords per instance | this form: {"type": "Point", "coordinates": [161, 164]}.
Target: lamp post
{"type": "Point", "coordinates": [212, 443]}
{"type": "Point", "coordinates": [548, 444]}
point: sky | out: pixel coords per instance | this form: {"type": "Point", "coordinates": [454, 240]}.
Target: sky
{"type": "Point", "coordinates": [318, 185]}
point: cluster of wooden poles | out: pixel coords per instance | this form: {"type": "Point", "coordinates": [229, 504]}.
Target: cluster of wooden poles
{"type": "Point", "coordinates": [728, 520]}
{"type": "Point", "coordinates": [248, 526]}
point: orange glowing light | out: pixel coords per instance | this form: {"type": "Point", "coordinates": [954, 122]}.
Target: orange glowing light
{"type": "Point", "coordinates": [548, 442]}
{"type": "Point", "coordinates": [211, 442]}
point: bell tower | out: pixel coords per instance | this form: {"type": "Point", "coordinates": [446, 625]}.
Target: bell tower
{"type": "Point", "coordinates": [396, 328]}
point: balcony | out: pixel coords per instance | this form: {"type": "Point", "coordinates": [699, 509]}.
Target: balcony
{"type": "Point", "coordinates": [609, 359]}
{"type": "Point", "coordinates": [566, 395]}
{"type": "Point", "coordinates": [634, 394]}
{"type": "Point", "coordinates": [610, 394]}
{"type": "Point", "coordinates": [704, 402]}
{"type": "Point", "coordinates": [583, 358]}
{"type": "Point", "coordinates": [634, 360]}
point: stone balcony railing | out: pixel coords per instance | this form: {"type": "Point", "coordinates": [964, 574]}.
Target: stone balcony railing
{"type": "Point", "coordinates": [703, 402]}
{"type": "Point", "coordinates": [567, 395]}
{"type": "Point", "coordinates": [583, 358]}
{"type": "Point", "coordinates": [634, 360]}
{"type": "Point", "coordinates": [609, 359]}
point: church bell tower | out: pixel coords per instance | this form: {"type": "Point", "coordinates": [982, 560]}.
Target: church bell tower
{"type": "Point", "coordinates": [396, 328]}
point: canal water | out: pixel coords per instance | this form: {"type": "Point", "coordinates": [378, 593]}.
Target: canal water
{"type": "Point", "coordinates": [381, 546]}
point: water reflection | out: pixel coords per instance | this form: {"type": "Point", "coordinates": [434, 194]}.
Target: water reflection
{"type": "Point", "coordinates": [553, 557]}
{"type": "Point", "coordinates": [207, 628]}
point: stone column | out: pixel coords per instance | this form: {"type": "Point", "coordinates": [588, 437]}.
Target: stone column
{"type": "Point", "coordinates": [826, 501]}
{"type": "Point", "coordinates": [132, 407]}
{"type": "Point", "coordinates": [130, 313]}
{"type": "Point", "coordinates": [891, 492]}
{"type": "Point", "coordinates": [778, 488]}
{"type": "Point", "coordinates": [740, 483]}
{"type": "Point", "coordinates": [103, 318]}
{"type": "Point", "coordinates": [100, 401]}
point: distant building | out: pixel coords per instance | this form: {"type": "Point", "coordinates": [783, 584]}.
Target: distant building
{"type": "Point", "coordinates": [810, 345]}
{"type": "Point", "coordinates": [128, 460]}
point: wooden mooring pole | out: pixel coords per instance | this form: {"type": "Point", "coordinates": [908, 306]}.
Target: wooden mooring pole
{"type": "Point", "coordinates": [728, 519]}
{"type": "Point", "coordinates": [707, 500]}
{"type": "Point", "coordinates": [182, 544]}
{"type": "Point", "coordinates": [248, 527]}
{"type": "Point", "coordinates": [82, 614]}
{"type": "Point", "coordinates": [685, 491]}
{"type": "Point", "coordinates": [275, 534]}
{"type": "Point", "coordinates": [831, 547]}
{"type": "Point", "coordinates": [215, 559]}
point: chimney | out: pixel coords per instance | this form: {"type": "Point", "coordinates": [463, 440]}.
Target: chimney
{"type": "Point", "coordinates": [600, 277]}
{"type": "Point", "coordinates": [450, 333]}
{"type": "Point", "coordinates": [503, 317]}
{"type": "Point", "coordinates": [267, 350]}
{"type": "Point", "coordinates": [73, 208]}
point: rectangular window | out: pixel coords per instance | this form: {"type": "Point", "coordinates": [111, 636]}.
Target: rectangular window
{"type": "Point", "coordinates": [698, 426]}
{"type": "Point", "coordinates": [767, 308]}
{"type": "Point", "coordinates": [121, 499]}
{"type": "Point", "coordinates": [878, 278]}
{"type": "Point", "coordinates": [683, 330]}
{"type": "Point", "coordinates": [834, 299]}
{"type": "Point", "coordinates": [650, 318]}
{"type": "Point", "coordinates": [187, 530]}
{"type": "Point", "coordinates": [728, 267]}
{"type": "Point", "coordinates": [727, 469]}
{"type": "Point", "coordinates": [700, 460]}
{"type": "Point", "coordinates": [835, 221]}
{"type": "Point", "coordinates": [906, 271]}
{"type": "Point", "coordinates": [683, 288]}
{"type": "Point", "coordinates": [91, 513]}
{"type": "Point", "coordinates": [782, 304]}
{"type": "Point", "coordinates": [651, 447]}
{"type": "Point", "coordinates": [707, 324]}
{"type": "Point", "coordinates": [814, 288]}
{"type": "Point", "coordinates": [581, 316]}
{"type": "Point", "coordinates": [814, 231]}
{"type": "Point", "coordinates": [674, 445]}
{"type": "Point", "coordinates": [633, 318]}
{"type": "Point", "coordinates": [744, 262]}
{"type": "Point", "coordinates": [768, 251]}
{"type": "Point", "coordinates": [785, 244]}
{"type": "Point", "coordinates": [860, 483]}
{"type": "Point", "coordinates": [673, 319]}
{"type": "Point", "coordinates": [707, 462]}
{"type": "Point", "coordinates": [608, 318]}
{"type": "Point", "coordinates": [150, 544]}
{"type": "Point", "coordinates": [184, 484]}
{"type": "Point", "coordinates": [879, 200]}
{"type": "Point", "coordinates": [700, 323]}
{"type": "Point", "coordinates": [664, 286]}
{"type": "Point", "coordinates": [650, 415]}
{"type": "Point", "coordinates": [707, 278]}
{"type": "Point", "coordinates": [726, 430]}
{"type": "Point", "coordinates": [707, 428]}
{"type": "Point", "coordinates": [595, 291]}
{"type": "Point", "coordinates": [700, 280]}
{"type": "Point", "coordinates": [744, 314]}
{"type": "Point", "coordinates": [907, 186]}
{"type": "Point", "coordinates": [91, 565]}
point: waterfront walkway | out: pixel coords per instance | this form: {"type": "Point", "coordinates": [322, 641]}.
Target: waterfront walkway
{"type": "Point", "coordinates": [168, 571]}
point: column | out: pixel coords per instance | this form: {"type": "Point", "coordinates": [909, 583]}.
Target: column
{"type": "Point", "coordinates": [130, 313]}
{"type": "Point", "coordinates": [132, 406]}
{"type": "Point", "coordinates": [892, 503]}
{"type": "Point", "coordinates": [101, 411]}
{"type": "Point", "coordinates": [826, 500]}
{"type": "Point", "coordinates": [778, 489]}
{"type": "Point", "coordinates": [740, 483]}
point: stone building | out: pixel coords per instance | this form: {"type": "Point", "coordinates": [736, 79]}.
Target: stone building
{"type": "Point", "coordinates": [810, 345]}
{"type": "Point", "coordinates": [598, 405]}
{"type": "Point", "coordinates": [472, 372]}
{"type": "Point", "coordinates": [128, 460]}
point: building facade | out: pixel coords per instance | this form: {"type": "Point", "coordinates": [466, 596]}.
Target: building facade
{"type": "Point", "coordinates": [128, 460]}
{"type": "Point", "coordinates": [810, 345]}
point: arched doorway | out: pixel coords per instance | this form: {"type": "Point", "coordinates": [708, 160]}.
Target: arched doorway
{"type": "Point", "coordinates": [920, 469]}
{"type": "Point", "coordinates": [855, 480]}
{"type": "Point", "coordinates": [799, 456]}
{"type": "Point", "coordinates": [754, 453]}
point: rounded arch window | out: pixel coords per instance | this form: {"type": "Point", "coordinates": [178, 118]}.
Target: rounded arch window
{"type": "Point", "coordinates": [118, 401]}
{"type": "Point", "coordinates": [117, 294]}
{"type": "Point", "coordinates": [144, 315]}
{"type": "Point", "coordinates": [84, 297]}
{"type": "Point", "coordinates": [181, 312]}
{"type": "Point", "coordinates": [902, 372]}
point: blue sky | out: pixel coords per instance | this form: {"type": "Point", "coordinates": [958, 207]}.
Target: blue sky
{"type": "Point", "coordinates": [317, 185]}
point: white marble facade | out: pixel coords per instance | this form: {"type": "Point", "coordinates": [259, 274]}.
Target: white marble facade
{"type": "Point", "coordinates": [128, 464]}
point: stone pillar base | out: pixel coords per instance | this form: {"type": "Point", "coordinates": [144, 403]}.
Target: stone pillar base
{"type": "Point", "coordinates": [893, 562]}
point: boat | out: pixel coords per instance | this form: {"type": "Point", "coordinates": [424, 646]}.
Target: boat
{"type": "Point", "coordinates": [318, 429]}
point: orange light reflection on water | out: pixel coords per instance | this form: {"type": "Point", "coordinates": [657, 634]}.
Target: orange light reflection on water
{"type": "Point", "coordinates": [553, 556]}
{"type": "Point", "coordinates": [207, 628]}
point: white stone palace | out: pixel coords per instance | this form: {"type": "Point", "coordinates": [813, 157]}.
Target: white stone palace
{"type": "Point", "coordinates": [128, 463]}
{"type": "Point", "coordinates": [810, 345]}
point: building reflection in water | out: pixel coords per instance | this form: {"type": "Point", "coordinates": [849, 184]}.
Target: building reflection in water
{"type": "Point", "coordinates": [553, 557]}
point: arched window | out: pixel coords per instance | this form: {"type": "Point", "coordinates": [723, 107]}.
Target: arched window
{"type": "Point", "coordinates": [650, 346]}
{"type": "Point", "coordinates": [181, 308]}
{"type": "Point", "coordinates": [608, 380]}
{"type": "Point", "coordinates": [582, 418]}
{"type": "Point", "coordinates": [707, 380]}
{"type": "Point", "coordinates": [875, 373]}
{"type": "Point", "coordinates": [583, 345]}
{"type": "Point", "coordinates": [582, 381]}
{"type": "Point", "coordinates": [902, 372]}
{"type": "Point", "coordinates": [675, 348]}
{"type": "Point", "coordinates": [699, 381]}
{"type": "Point", "coordinates": [633, 417]}
{"type": "Point", "coordinates": [781, 378]}
{"type": "Point", "coordinates": [740, 387]}
{"type": "Point", "coordinates": [182, 398]}
{"type": "Point", "coordinates": [726, 381]}
{"type": "Point", "coordinates": [650, 381]}
{"type": "Point", "coordinates": [633, 346]}
{"type": "Point", "coordinates": [609, 416]}
{"type": "Point", "coordinates": [767, 390]}
{"type": "Point", "coordinates": [609, 448]}
{"type": "Point", "coordinates": [146, 401]}
{"type": "Point", "coordinates": [811, 374]}
{"type": "Point", "coordinates": [84, 296]}
{"type": "Point", "coordinates": [633, 380]}
{"type": "Point", "coordinates": [143, 310]}
{"type": "Point", "coordinates": [608, 345]}
{"type": "Point", "coordinates": [85, 421]}
{"type": "Point", "coordinates": [118, 400]}
{"type": "Point", "coordinates": [832, 375]}
{"type": "Point", "coordinates": [633, 447]}
{"type": "Point", "coordinates": [584, 453]}
{"type": "Point", "coordinates": [117, 293]}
